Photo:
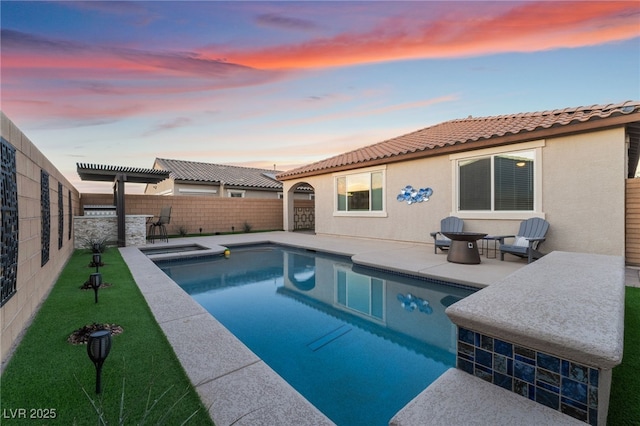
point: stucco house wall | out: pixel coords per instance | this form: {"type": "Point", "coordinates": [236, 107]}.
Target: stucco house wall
{"type": "Point", "coordinates": [164, 187]}
{"type": "Point", "coordinates": [583, 197]}
{"type": "Point", "coordinates": [170, 187]}
{"type": "Point", "coordinates": [584, 192]}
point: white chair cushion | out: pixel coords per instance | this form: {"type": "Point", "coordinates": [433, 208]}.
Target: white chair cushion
{"type": "Point", "coordinates": [521, 242]}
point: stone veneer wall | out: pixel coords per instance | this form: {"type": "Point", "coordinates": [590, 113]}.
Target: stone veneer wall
{"type": "Point", "coordinates": [191, 213]}
{"type": "Point", "coordinates": [35, 273]}
{"type": "Point", "coordinates": [88, 228]}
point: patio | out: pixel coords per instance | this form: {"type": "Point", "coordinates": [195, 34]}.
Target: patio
{"type": "Point", "coordinates": [229, 378]}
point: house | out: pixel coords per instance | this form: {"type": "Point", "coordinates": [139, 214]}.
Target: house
{"type": "Point", "coordinates": [569, 166]}
{"type": "Point", "coordinates": [218, 180]}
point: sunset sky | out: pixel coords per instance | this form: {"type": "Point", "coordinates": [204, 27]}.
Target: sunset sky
{"type": "Point", "coordinates": [288, 83]}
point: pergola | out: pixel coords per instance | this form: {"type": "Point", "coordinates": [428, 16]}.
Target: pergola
{"type": "Point", "coordinates": [119, 175]}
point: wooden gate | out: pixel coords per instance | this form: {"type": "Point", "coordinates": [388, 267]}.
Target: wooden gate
{"type": "Point", "coordinates": [632, 223]}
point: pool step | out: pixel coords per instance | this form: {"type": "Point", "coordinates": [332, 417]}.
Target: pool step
{"type": "Point", "coordinates": [329, 337]}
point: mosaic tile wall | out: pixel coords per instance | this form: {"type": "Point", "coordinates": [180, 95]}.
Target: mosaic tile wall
{"type": "Point", "coordinates": [557, 383]}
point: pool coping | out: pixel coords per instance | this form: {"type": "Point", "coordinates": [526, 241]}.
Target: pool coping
{"type": "Point", "coordinates": [234, 384]}
{"type": "Point", "coordinates": [561, 316]}
{"type": "Point", "coordinates": [459, 398]}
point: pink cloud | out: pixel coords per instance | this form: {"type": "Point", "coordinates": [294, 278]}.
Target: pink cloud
{"type": "Point", "coordinates": [525, 27]}
{"type": "Point", "coordinates": [102, 83]}
{"type": "Point", "coordinates": [57, 78]}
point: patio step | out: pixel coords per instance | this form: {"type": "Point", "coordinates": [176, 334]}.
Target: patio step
{"type": "Point", "coordinates": [458, 398]}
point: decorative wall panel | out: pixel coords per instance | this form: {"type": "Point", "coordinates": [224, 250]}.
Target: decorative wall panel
{"type": "Point", "coordinates": [9, 236]}
{"type": "Point", "coordinates": [70, 210]}
{"type": "Point", "coordinates": [304, 218]}
{"type": "Point", "coordinates": [45, 207]}
{"type": "Point", "coordinates": [60, 216]}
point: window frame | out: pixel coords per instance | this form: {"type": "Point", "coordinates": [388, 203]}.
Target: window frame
{"type": "Point", "coordinates": [361, 213]}
{"type": "Point", "coordinates": [455, 159]}
{"type": "Point", "coordinates": [236, 193]}
{"type": "Point", "coordinates": [366, 283]}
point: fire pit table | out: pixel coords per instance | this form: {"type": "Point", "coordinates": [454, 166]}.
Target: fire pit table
{"type": "Point", "coordinates": [463, 248]}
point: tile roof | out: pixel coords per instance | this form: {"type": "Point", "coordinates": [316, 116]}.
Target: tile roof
{"type": "Point", "coordinates": [468, 132]}
{"type": "Point", "coordinates": [220, 173]}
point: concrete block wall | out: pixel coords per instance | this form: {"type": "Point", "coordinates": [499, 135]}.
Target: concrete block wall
{"type": "Point", "coordinates": [34, 280]}
{"type": "Point", "coordinates": [191, 213]}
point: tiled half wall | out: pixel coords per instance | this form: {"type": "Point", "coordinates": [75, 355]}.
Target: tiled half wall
{"type": "Point", "coordinates": [558, 383]}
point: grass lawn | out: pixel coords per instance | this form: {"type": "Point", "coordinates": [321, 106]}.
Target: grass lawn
{"type": "Point", "coordinates": [47, 376]}
{"type": "Point", "coordinates": [624, 408]}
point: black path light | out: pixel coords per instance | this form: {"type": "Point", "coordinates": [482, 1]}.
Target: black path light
{"type": "Point", "coordinates": [98, 348]}
{"type": "Point", "coordinates": [95, 280]}
{"type": "Point", "coordinates": [97, 260]}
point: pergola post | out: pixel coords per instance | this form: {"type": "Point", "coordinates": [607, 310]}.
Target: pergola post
{"type": "Point", "coordinates": [118, 188]}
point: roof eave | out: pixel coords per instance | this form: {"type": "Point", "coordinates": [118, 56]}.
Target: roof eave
{"type": "Point", "coordinates": [253, 188]}
{"type": "Point", "coordinates": [472, 145]}
{"type": "Point", "coordinates": [196, 181]}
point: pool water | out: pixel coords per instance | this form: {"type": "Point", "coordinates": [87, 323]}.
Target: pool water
{"type": "Point", "coordinates": [357, 343]}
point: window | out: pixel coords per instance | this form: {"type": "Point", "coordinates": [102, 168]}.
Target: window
{"type": "Point", "coordinates": [498, 182]}
{"type": "Point", "coordinates": [235, 194]}
{"type": "Point", "coordinates": [360, 293]}
{"type": "Point", "coordinates": [360, 192]}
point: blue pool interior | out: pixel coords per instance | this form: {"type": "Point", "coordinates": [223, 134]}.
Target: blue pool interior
{"type": "Point", "coordinates": [358, 343]}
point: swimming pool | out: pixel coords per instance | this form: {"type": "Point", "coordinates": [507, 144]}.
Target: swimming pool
{"type": "Point", "coordinates": [357, 343]}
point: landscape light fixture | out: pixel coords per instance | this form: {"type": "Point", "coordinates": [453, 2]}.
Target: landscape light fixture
{"type": "Point", "coordinates": [98, 348]}
{"type": "Point", "coordinates": [95, 280]}
{"type": "Point", "coordinates": [97, 260]}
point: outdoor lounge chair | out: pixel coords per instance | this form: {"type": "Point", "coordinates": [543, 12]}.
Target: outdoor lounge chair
{"type": "Point", "coordinates": [448, 224]}
{"type": "Point", "coordinates": [531, 234]}
{"type": "Point", "coordinates": [160, 225]}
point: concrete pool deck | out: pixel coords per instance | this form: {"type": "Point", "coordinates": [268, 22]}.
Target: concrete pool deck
{"type": "Point", "coordinates": [236, 386]}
